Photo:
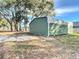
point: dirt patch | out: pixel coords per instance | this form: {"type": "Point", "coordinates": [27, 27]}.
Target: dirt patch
{"type": "Point", "coordinates": [8, 33]}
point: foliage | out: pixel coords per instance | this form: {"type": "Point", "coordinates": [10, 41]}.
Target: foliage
{"type": "Point", "coordinates": [3, 23]}
{"type": "Point", "coordinates": [14, 11]}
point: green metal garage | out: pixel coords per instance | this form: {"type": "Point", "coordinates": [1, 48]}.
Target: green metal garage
{"type": "Point", "coordinates": [47, 26]}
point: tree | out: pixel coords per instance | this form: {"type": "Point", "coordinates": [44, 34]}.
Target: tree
{"type": "Point", "coordinates": [43, 8]}
{"type": "Point", "coordinates": [11, 13]}
{"type": "Point", "coordinates": [14, 11]}
{"type": "Point", "coordinates": [3, 24]}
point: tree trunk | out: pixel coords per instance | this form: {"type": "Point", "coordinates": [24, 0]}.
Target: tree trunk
{"type": "Point", "coordinates": [11, 27]}
{"type": "Point", "coordinates": [20, 26]}
{"type": "Point", "coordinates": [25, 27]}
{"type": "Point", "coordinates": [16, 26]}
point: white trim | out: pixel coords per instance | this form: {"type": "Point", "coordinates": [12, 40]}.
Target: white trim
{"type": "Point", "coordinates": [48, 25]}
{"type": "Point", "coordinates": [70, 27]}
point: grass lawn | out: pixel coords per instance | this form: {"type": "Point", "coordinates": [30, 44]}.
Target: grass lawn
{"type": "Point", "coordinates": [76, 33]}
{"type": "Point", "coordinates": [69, 40]}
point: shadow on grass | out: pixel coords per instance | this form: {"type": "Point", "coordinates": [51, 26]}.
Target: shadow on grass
{"type": "Point", "coordinates": [22, 34]}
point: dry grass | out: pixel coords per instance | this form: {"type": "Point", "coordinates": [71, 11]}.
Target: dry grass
{"type": "Point", "coordinates": [39, 48]}
{"type": "Point", "coordinates": [71, 41]}
{"type": "Point", "coordinates": [32, 49]}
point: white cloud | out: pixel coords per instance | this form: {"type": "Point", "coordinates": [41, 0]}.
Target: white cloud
{"type": "Point", "coordinates": [66, 10]}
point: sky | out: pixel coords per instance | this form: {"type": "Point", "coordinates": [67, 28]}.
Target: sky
{"type": "Point", "coordinates": [67, 10]}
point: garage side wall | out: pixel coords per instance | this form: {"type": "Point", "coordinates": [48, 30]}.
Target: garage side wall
{"type": "Point", "coordinates": [39, 26]}
{"type": "Point", "coordinates": [56, 29]}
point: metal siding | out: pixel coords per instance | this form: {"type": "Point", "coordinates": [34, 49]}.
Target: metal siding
{"type": "Point", "coordinates": [76, 29]}
{"type": "Point", "coordinates": [56, 29]}
{"type": "Point", "coordinates": [75, 26]}
{"type": "Point", "coordinates": [75, 23]}
{"type": "Point", "coordinates": [39, 26]}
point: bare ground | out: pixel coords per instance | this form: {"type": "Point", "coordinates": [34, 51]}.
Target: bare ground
{"type": "Point", "coordinates": [34, 47]}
